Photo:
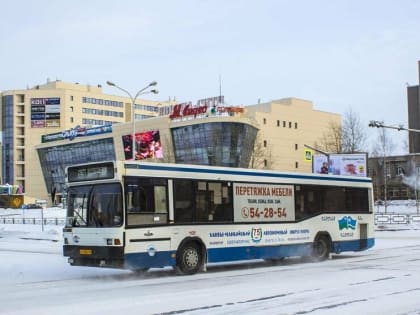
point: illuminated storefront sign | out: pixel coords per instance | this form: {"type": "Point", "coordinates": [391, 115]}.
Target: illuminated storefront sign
{"type": "Point", "coordinates": [75, 133]}
{"type": "Point", "coordinates": [186, 110]}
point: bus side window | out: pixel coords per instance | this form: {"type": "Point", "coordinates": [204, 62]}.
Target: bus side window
{"type": "Point", "coordinates": [140, 200]}
{"type": "Point", "coordinates": [335, 199]}
{"type": "Point", "coordinates": [223, 210]}
{"type": "Point", "coordinates": [202, 201]}
{"type": "Point", "coordinates": [183, 201]}
{"type": "Point", "coordinates": [160, 199]}
{"type": "Point", "coordinates": [300, 203]}
{"type": "Point", "coordinates": [312, 202]}
{"type": "Point", "coordinates": [148, 200]}
{"type": "Point", "coordinates": [307, 200]}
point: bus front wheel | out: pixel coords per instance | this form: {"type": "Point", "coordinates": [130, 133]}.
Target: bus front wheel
{"type": "Point", "coordinates": [189, 259]}
{"type": "Point", "coordinates": [321, 248]}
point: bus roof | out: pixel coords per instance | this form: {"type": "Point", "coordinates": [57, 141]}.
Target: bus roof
{"type": "Point", "coordinates": [240, 172]}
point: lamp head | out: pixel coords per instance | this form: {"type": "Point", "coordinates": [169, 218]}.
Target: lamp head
{"type": "Point", "coordinates": [154, 91]}
{"type": "Point", "coordinates": [110, 83]}
{"type": "Point", "coordinates": [153, 83]}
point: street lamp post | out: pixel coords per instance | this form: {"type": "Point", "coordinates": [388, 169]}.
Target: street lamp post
{"type": "Point", "coordinates": [133, 103]}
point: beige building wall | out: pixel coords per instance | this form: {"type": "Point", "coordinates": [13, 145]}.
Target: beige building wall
{"type": "Point", "coordinates": [79, 105]}
{"type": "Point", "coordinates": [286, 125]}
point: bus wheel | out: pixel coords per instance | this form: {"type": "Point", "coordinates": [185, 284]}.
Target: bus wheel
{"type": "Point", "coordinates": [321, 248]}
{"type": "Point", "coordinates": [189, 259]}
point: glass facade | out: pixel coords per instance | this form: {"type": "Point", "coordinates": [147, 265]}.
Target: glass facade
{"type": "Point", "coordinates": [7, 150]}
{"type": "Point", "coordinates": [217, 143]}
{"type": "Point", "coordinates": [55, 159]}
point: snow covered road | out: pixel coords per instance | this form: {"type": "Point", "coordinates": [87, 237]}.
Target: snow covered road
{"type": "Point", "coordinates": [36, 279]}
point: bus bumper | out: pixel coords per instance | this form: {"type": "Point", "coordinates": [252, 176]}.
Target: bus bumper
{"type": "Point", "coordinates": [94, 256]}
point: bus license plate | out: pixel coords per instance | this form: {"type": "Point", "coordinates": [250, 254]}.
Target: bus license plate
{"type": "Point", "coordinates": [85, 252]}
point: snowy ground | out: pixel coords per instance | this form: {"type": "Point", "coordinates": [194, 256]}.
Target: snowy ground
{"type": "Point", "coordinates": [36, 279]}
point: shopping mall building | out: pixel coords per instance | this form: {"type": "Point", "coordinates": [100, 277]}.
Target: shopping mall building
{"type": "Point", "coordinates": [51, 126]}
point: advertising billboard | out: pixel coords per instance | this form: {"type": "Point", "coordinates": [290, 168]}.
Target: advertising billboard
{"type": "Point", "coordinates": [147, 145]}
{"type": "Point", "coordinates": [45, 112]}
{"type": "Point", "coordinates": [351, 164]}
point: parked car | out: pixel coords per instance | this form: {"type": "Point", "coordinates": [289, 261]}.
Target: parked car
{"type": "Point", "coordinates": [31, 206]}
{"type": "Point", "coordinates": [379, 202]}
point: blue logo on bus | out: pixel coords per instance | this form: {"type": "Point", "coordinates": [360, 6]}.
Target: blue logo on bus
{"type": "Point", "coordinates": [256, 234]}
{"type": "Point", "coordinates": [347, 222]}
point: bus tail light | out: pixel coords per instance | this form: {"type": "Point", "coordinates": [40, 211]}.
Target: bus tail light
{"type": "Point", "coordinates": [117, 241]}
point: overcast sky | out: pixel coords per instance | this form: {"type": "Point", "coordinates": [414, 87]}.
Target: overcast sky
{"type": "Point", "coordinates": [338, 54]}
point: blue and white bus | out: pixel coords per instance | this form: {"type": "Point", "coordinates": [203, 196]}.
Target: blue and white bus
{"type": "Point", "coordinates": [138, 215]}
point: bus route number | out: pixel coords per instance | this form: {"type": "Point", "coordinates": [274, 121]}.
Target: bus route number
{"type": "Point", "coordinates": [263, 213]}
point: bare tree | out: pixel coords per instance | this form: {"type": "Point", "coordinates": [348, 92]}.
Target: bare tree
{"type": "Point", "coordinates": [261, 155]}
{"type": "Point", "coordinates": [349, 137]}
{"type": "Point", "coordinates": [331, 138]}
{"type": "Point", "coordinates": [353, 133]}
{"type": "Point", "coordinates": [383, 144]}
{"type": "Point", "coordinates": [382, 148]}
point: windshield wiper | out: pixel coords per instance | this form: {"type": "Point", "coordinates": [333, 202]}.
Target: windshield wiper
{"type": "Point", "coordinates": [78, 213]}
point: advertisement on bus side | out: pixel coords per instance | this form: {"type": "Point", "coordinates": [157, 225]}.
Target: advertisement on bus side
{"type": "Point", "coordinates": [263, 202]}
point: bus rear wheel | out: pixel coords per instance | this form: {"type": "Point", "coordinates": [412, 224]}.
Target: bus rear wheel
{"type": "Point", "coordinates": [189, 259]}
{"type": "Point", "coordinates": [321, 248]}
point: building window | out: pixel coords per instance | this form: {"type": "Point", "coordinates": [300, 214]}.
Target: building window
{"type": "Point", "coordinates": [296, 146]}
{"type": "Point", "coordinates": [296, 125]}
{"type": "Point", "coordinates": [278, 123]}
{"type": "Point", "coordinates": [290, 124]}
{"type": "Point", "coordinates": [71, 119]}
{"type": "Point", "coordinates": [265, 163]}
{"type": "Point", "coordinates": [71, 109]}
{"type": "Point", "coordinates": [400, 170]}
{"type": "Point", "coordinates": [71, 98]}
{"type": "Point", "coordinates": [296, 164]}
{"type": "Point", "coordinates": [284, 124]}
{"type": "Point", "coordinates": [264, 121]}
{"type": "Point", "coordinates": [265, 143]}
{"type": "Point", "coordinates": [388, 171]}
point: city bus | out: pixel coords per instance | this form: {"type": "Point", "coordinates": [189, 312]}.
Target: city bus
{"type": "Point", "coordinates": [139, 215]}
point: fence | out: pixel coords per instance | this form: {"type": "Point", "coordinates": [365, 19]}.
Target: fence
{"type": "Point", "coordinates": [396, 218]}
{"type": "Point", "coordinates": [45, 221]}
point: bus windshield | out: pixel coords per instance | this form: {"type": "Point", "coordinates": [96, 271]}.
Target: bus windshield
{"type": "Point", "coordinates": [97, 205]}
